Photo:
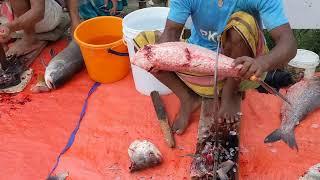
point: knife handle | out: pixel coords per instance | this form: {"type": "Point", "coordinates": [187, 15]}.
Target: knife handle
{"type": "Point", "coordinates": [254, 78]}
{"type": "Point", "coordinates": [163, 119]}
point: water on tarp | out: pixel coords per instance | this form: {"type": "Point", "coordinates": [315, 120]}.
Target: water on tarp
{"type": "Point", "coordinates": [103, 40]}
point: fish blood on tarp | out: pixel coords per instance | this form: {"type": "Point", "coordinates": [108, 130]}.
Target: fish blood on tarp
{"type": "Point", "coordinates": [143, 154]}
{"type": "Point", "coordinates": [203, 165]}
{"type": "Point", "coordinates": [181, 56]}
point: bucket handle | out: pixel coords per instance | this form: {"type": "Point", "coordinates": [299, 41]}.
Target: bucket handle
{"type": "Point", "coordinates": [124, 41]}
{"type": "Point", "coordinates": [117, 53]}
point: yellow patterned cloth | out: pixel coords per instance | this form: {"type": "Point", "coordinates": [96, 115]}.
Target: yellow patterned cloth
{"type": "Point", "coordinates": [202, 84]}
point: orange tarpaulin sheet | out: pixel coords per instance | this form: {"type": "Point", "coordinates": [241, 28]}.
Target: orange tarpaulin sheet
{"type": "Point", "coordinates": [34, 128]}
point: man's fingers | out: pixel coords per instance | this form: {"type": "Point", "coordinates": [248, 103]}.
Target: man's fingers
{"type": "Point", "coordinates": [239, 61]}
{"type": "Point", "coordinates": [227, 117]}
{"type": "Point", "coordinates": [232, 119]}
{"type": "Point", "coordinates": [250, 72]}
{"type": "Point", "coordinates": [258, 73]}
{"type": "Point", "coordinates": [113, 11]}
{"type": "Point", "coordinates": [245, 68]}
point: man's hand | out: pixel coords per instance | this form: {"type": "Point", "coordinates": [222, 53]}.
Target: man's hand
{"type": "Point", "coordinates": [113, 10]}
{"type": "Point", "coordinates": [75, 23]}
{"type": "Point", "coordinates": [73, 6]}
{"type": "Point", "coordinates": [251, 66]}
{"type": "Point", "coordinates": [171, 32]}
{"type": "Point", "coordinates": [4, 33]}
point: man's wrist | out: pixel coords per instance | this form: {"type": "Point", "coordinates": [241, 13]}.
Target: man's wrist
{"type": "Point", "coordinates": [10, 27]}
{"type": "Point", "coordinates": [266, 63]}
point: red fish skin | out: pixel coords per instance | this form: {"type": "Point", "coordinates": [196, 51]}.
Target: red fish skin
{"type": "Point", "coordinates": [184, 57]}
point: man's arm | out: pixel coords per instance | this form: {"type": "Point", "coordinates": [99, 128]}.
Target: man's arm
{"type": "Point", "coordinates": [30, 18]}
{"type": "Point", "coordinates": [172, 32]}
{"type": "Point", "coordinates": [73, 6]}
{"type": "Point", "coordinates": [285, 49]}
{"type": "Point", "coordinates": [273, 16]}
{"type": "Point", "coordinates": [279, 56]}
{"type": "Point", "coordinates": [114, 7]}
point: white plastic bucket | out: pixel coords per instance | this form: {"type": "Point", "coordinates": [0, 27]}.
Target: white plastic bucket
{"type": "Point", "coordinates": [147, 19]}
{"type": "Point", "coordinates": [306, 60]}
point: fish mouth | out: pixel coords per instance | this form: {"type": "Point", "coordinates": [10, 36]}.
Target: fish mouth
{"type": "Point", "coordinates": [50, 84]}
{"type": "Point", "coordinates": [48, 79]}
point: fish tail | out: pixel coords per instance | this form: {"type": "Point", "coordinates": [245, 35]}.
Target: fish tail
{"type": "Point", "coordinates": [273, 137]}
{"type": "Point", "coordinates": [288, 138]}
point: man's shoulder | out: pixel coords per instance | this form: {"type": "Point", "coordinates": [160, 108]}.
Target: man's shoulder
{"type": "Point", "coordinates": [186, 2]}
{"type": "Point", "coordinates": [258, 4]}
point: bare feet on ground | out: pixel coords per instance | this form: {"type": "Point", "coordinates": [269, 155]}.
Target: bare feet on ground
{"type": "Point", "coordinates": [24, 46]}
{"type": "Point", "coordinates": [188, 106]}
{"type": "Point", "coordinates": [230, 108]}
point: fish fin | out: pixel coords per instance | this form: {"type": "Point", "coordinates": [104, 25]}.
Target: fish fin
{"type": "Point", "coordinates": [288, 138]}
{"type": "Point", "coordinates": [273, 137]}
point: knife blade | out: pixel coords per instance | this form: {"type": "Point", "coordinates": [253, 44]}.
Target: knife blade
{"type": "Point", "coordinates": [215, 82]}
{"type": "Point", "coordinates": [269, 89]}
{"type": "Point", "coordinates": [215, 126]}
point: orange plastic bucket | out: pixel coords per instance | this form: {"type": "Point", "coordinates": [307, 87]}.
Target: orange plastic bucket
{"type": "Point", "coordinates": [105, 55]}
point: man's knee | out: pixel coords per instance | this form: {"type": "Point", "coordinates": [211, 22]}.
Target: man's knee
{"type": "Point", "coordinates": [235, 46]}
{"type": "Point", "coordinates": [53, 16]}
{"type": "Point", "coordinates": [19, 7]}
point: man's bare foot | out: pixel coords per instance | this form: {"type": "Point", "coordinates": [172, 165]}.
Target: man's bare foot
{"type": "Point", "coordinates": [24, 46]}
{"type": "Point", "coordinates": [230, 108]}
{"type": "Point", "coordinates": [188, 106]}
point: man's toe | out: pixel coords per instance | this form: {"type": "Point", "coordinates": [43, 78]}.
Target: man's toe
{"type": "Point", "coordinates": [232, 119]}
{"type": "Point", "coordinates": [177, 127]}
{"type": "Point", "coordinates": [227, 117]}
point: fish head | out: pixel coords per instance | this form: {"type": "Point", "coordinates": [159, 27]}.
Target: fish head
{"type": "Point", "coordinates": [55, 74]}
{"type": "Point", "coordinates": [143, 59]}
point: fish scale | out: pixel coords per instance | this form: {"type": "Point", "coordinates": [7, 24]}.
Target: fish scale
{"type": "Point", "coordinates": [305, 98]}
{"type": "Point", "coordinates": [182, 57]}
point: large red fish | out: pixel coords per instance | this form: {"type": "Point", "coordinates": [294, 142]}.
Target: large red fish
{"type": "Point", "coordinates": [183, 57]}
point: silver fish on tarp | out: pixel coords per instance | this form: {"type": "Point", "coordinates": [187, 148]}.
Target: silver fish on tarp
{"type": "Point", "coordinates": [313, 173]}
{"type": "Point", "coordinates": [60, 176]}
{"type": "Point", "coordinates": [305, 98]}
{"type": "Point", "coordinates": [64, 66]}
